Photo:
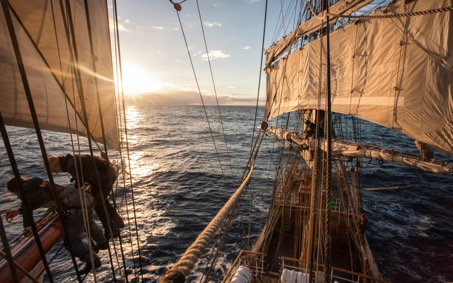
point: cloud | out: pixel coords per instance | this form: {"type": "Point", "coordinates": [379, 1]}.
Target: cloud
{"type": "Point", "coordinates": [247, 47]}
{"type": "Point", "coordinates": [212, 24]}
{"type": "Point", "coordinates": [215, 54]}
{"type": "Point", "coordinates": [196, 54]}
{"type": "Point", "coordinates": [188, 97]}
{"type": "Point", "coordinates": [121, 27]}
{"type": "Point", "coordinates": [157, 27]}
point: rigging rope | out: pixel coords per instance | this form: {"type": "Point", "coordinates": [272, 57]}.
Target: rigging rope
{"type": "Point", "coordinates": [62, 86]}
{"type": "Point", "coordinates": [27, 89]}
{"type": "Point", "coordinates": [229, 219]}
{"type": "Point", "coordinates": [90, 37]}
{"type": "Point", "coordinates": [187, 261]}
{"type": "Point", "coordinates": [328, 188]}
{"type": "Point", "coordinates": [198, 87]}
{"type": "Point", "coordinates": [313, 12]}
{"type": "Point", "coordinates": [219, 242]}
{"type": "Point", "coordinates": [121, 91]}
{"type": "Point", "coordinates": [259, 80]}
{"type": "Point", "coordinates": [73, 55]}
{"type": "Point", "coordinates": [78, 82]}
{"type": "Point", "coordinates": [7, 250]}
{"type": "Point", "coordinates": [215, 90]}
{"type": "Point", "coordinates": [67, 21]}
{"type": "Point", "coordinates": [409, 14]}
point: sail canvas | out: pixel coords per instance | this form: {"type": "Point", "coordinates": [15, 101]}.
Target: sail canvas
{"type": "Point", "coordinates": [395, 72]}
{"type": "Point", "coordinates": [66, 56]}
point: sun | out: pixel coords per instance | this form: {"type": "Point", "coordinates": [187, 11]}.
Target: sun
{"type": "Point", "coordinates": [138, 80]}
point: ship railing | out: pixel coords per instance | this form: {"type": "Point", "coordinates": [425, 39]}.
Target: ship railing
{"type": "Point", "coordinates": [338, 274]}
{"type": "Point", "coordinates": [253, 260]}
{"type": "Point", "coordinates": [337, 207]}
{"type": "Point", "coordinates": [292, 200]}
{"type": "Point", "coordinates": [289, 200]}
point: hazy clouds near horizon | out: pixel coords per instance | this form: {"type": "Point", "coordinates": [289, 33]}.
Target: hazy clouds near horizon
{"type": "Point", "coordinates": [188, 98]}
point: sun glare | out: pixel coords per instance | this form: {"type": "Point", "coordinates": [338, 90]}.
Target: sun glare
{"type": "Point", "coordinates": [137, 80]}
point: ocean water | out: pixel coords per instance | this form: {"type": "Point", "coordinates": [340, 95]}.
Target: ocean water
{"type": "Point", "coordinates": [181, 179]}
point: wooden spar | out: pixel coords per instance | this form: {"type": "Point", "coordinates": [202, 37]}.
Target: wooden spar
{"type": "Point", "coordinates": [26, 254]}
{"type": "Point", "coordinates": [386, 188]}
{"type": "Point", "coordinates": [353, 150]}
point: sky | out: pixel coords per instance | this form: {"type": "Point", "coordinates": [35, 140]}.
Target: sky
{"type": "Point", "coordinates": [155, 60]}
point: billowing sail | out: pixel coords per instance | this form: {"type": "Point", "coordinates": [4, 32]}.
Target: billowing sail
{"type": "Point", "coordinates": [394, 71]}
{"type": "Point", "coordinates": [66, 54]}
{"type": "Point", "coordinates": [342, 7]}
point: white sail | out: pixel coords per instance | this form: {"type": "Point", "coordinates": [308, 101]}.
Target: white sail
{"type": "Point", "coordinates": [62, 68]}
{"type": "Point", "coordinates": [342, 7]}
{"type": "Point", "coordinates": [396, 72]}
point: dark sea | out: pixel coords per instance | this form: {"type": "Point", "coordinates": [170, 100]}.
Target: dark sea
{"type": "Point", "coordinates": [181, 179]}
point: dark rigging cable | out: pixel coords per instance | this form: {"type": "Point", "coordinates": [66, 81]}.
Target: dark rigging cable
{"type": "Point", "coordinates": [120, 74]}
{"type": "Point", "coordinates": [259, 79]}
{"type": "Point", "coordinates": [215, 90]}
{"type": "Point", "coordinates": [26, 85]}
{"type": "Point", "coordinates": [198, 85]}
{"type": "Point", "coordinates": [328, 231]}
{"type": "Point", "coordinates": [81, 93]}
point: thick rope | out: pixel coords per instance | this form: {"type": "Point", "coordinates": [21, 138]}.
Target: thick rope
{"type": "Point", "coordinates": [409, 14]}
{"type": "Point", "coordinates": [313, 12]}
{"type": "Point", "coordinates": [425, 151]}
{"type": "Point", "coordinates": [328, 177]}
{"type": "Point", "coordinates": [187, 261]}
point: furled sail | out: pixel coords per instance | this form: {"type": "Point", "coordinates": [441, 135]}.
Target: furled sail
{"type": "Point", "coordinates": [353, 150]}
{"type": "Point", "coordinates": [66, 54]}
{"type": "Point", "coordinates": [394, 71]}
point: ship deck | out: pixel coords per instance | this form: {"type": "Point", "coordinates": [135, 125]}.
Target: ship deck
{"type": "Point", "coordinates": [289, 221]}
